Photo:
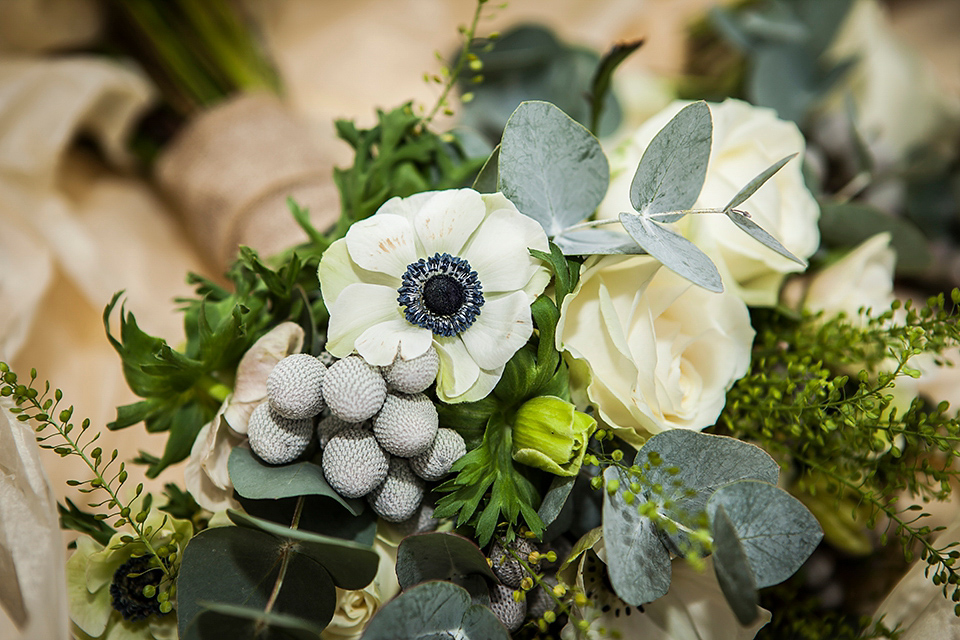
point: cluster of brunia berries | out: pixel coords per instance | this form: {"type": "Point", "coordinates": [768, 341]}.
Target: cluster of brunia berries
{"type": "Point", "coordinates": [379, 432]}
{"type": "Point", "coordinates": [514, 598]}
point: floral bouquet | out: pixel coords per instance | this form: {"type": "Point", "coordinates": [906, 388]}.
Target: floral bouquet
{"type": "Point", "coordinates": [554, 386]}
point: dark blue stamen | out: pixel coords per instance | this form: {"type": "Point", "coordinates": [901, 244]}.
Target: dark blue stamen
{"type": "Point", "coordinates": [442, 294]}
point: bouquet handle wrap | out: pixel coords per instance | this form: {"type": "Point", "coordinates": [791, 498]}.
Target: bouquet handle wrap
{"type": "Point", "coordinates": [231, 170]}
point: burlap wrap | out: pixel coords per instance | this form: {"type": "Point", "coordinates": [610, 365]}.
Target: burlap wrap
{"type": "Point", "coordinates": [230, 170]}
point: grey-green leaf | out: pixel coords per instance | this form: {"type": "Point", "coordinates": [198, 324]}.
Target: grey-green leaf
{"type": "Point", "coordinates": [258, 480]}
{"type": "Point", "coordinates": [434, 610]}
{"type": "Point", "coordinates": [777, 532]}
{"type": "Point", "coordinates": [239, 566]}
{"type": "Point", "coordinates": [701, 463]}
{"type": "Point", "coordinates": [488, 178]}
{"type": "Point", "coordinates": [555, 498]}
{"type": "Point", "coordinates": [673, 250]}
{"type": "Point", "coordinates": [757, 232]}
{"type": "Point", "coordinates": [551, 167]}
{"type": "Point", "coordinates": [640, 571]}
{"type": "Point", "coordinates": [752, 186]}
{"type": "Point", "coordinates": [219, 620]}
{"type": "Point", "coordinates": [733, 569]}
{"type": "Point", "coordinates": [596, 242]}
{"type": "Point", "coordinates": [350, 565]}
{"type": "Point", "coordinates": [439, 556]}
{"type": "Point", "coordinates": [674, 165]}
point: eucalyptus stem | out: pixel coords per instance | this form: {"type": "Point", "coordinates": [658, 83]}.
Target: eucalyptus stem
{"type": "Point", "coordinates": [44, 408]}
{"type": "Point", "coordinates": [468, 35]}
{"type": "Point", "coordinates": [285, 561]}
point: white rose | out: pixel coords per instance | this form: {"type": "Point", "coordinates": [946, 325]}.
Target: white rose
{"type": "Point", "coordinates": [897, 101]}
{"type": "Point", "coordinates": [861, 279]}
{"type": "Point", "coordinates": [746, 140]}
{"type": "Point", "coordinates": [355, 608]}
{"type": "Point", "coordinates": [662, 353]}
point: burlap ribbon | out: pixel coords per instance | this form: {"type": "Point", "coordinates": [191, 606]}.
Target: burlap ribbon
{"type": "Point", "coordinates": [231, 170]}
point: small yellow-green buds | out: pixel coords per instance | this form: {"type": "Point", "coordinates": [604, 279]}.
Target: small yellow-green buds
{"type": "Point", "coordinates": [550, 434]}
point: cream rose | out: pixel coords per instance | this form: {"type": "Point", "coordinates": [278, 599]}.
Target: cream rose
{"type": "Point", "coordinates": [746, 140]}
{"type": "Point", "coordinates": [660, 352]}
{"type": "Point", "coordinates": [355, 608]}
{"type": "Point", "coordinates": [861, 279]}
{"type": "Point", "coordinates": [897, 101]}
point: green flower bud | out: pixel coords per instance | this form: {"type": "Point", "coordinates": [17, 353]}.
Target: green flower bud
{"type": "Point", "coordinates": [550, 434]}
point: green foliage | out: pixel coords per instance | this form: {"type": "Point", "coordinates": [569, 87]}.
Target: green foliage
{"type": "Point", "coordinates": [847, 437]}
{"type": "Point", "coordinates": [529, 62]}
{"type": "Point", "coordinates": [182, 390]}
{"type": "Point", "coordinates": [443, 556]}
{"type": "Point", "coordinates": [487, 474]}
{"type": "Point", "coordinates": [397, 157]}
{"type": "Point", "coordinates": [56, 431]}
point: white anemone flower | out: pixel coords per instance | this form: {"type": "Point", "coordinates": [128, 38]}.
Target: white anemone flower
{"type": "Point", "coordinates": [450, 269]}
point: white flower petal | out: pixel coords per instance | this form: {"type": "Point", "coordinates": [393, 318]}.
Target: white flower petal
{"type": "Point", "coordinates": [448, 219]}
{"type": "Point", "coordinates": [503, 326]}
{"type": "Point", "coordinates": [458, 371]}
{"type": "Point", "coordinates": [359, 307]}
{"type": "Point", "coordinates": [384, 243]}
{"type": "Point", "coordinates": [379, 344]}
{"type": "Point", "coordinates": [337, 271]}
{"type": "Point", "coordinates": [498, 251]}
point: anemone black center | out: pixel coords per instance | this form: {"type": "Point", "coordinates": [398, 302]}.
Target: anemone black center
{"type": "Point", "coordinates": [443, 295]}
{"type": "Point", "coordinates": [127, 589]}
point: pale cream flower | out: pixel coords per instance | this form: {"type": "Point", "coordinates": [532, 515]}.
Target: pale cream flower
{"type": "Point", "coordinates": [693, 609]}
{"type": "Point", "coordinates": [206, 474]}
{"type": "Point", "coordinates": [91, 570]}
{"type": "Point", "coordinates": [355, 608]}
{"type": "Point", "coordinates": [661, 352]}
{"type": "Point", "coordinates": [746, 141]}
{"type": "Point", "coordinates": [447, 268]}
{"type": "Point", "coordinates": [861, 279]}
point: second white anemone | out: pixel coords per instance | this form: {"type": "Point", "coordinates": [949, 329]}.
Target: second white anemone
{"type": "Point", "coordinates": [450, 269]}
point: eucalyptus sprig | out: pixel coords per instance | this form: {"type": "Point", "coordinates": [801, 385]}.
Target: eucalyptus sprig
{"type": "Point", "coordinates": [56, 431]}
{"type": "Point", "coordinates": [846, 436]}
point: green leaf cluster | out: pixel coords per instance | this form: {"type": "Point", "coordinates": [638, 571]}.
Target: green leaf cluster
{"type": "Point", "coordinates": [689, 494]}
{"type": "Point", "coordinates": [397, 157]}
{"type": "Point", "coordinates": [487, 474]}
{"type": "Point", "coordinates": [843, 437]}
{"type": "Point", "coordinates": [182, 389]}
{"type": "Point", "coordinates": [56, 431]}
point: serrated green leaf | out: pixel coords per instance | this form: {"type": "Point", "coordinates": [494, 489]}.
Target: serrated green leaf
{"type": "Point", "coordinates": [184, 427]}
{"type": "Point", "coordinates": [551, 167]}
{"type": "Point", "coordinates": [777, 532]}
{"type": "Point", "coordinates": [434, 610]}
{"type": "Point", "coordinates": [673, 251]}
{"type": "Point", "coordinates": [254, 479]}
{"type": "Point", "coordinates": [674, 165]}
